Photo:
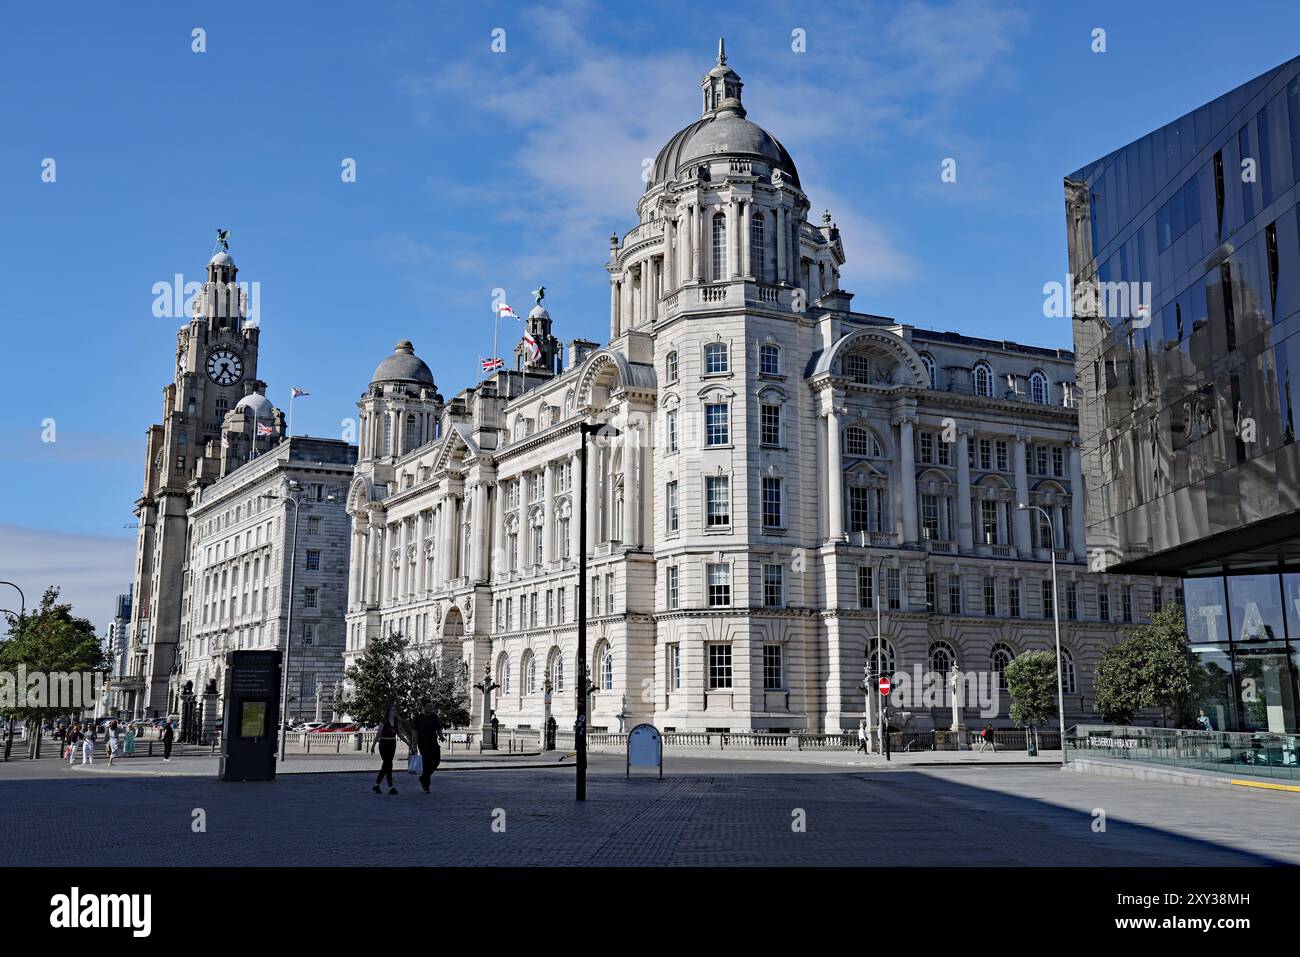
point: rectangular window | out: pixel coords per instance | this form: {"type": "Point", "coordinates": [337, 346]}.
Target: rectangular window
{"type": "Point", "coordinates": [986, 455]}
{"type": "Point", "coordinates": [859, 509]}
{"type": "Point", "coordinates": [773, 586]}
{"type": "Point", "coordinates": [773, 674]}
{"type": "Point", "coordinates": [673, 584]}
{"type": "Point", "coordinates": [931, 592]}
{"type": "Point", "coordinates": [717, 498]}
{"type": "Point", "coordinates": [670, 500]}
{"type": "Point", "coordinates": [1013, 598]}
{"type": "Point", "coordinates": [866, 587]}
{"type": "Point", "coordinates": [770, 424]}
{"type": "Point", "coordinates": [926, 452]}
{"type": "Point", "coordinates": [1103, 603]}
{"type": "Point", "coordinates": [772, 516]}
{"type": "Point", "coordinates": [313, 559]}
{"type": "Point", "coordinates": [857, 368]}
{"type": "Point", "coordinates": [719, 667]}
{"type": "Point", "coordinates": [675, 667]}
{"type": "Point", "coordinates": [989, 521]}
{"type": "Point", "coordinates": [930, 516]}
{"type": "Point", "coordinates": [716, 425]}
{"type": "Point", "coordinates": [671, 428]}
{"type": "Point", "coordinates": [1058, 461]}
{"type": "Point", "coordinates": [671, 365]}
{"type": "Point", "coordinates": [894, 585]}
{"type": "Point", "coordinates": [1049, 598]}
{"type": "Point", "coordinates": [769, 363]}
{"type": "Point", "coordinates": [954, 594]}
{"type": "Point", "coordinates": [609, 596]}
{"type": "Point", "coordinates": [550, 607]}
{"type": "Point", "coordinates": [1072, 601]}
{"type": "Point", "coordinates": [719, 583]}
{"type": "Point", "coordinates": [313, 526]}
{"type": "Point", "coordinates": [945, 453]}
{"type": "Point", "coordinates": [1126, 597]}
{"type": "Point", "coordinates": [311, 597]}
{"type": "Point", "coordinates": [560, 612]}
{"type": "Point", "coordinates": [715, 358]}
{"type": "Point", "coordinates": [1040, 453]}
{"type": "Point", "coordinates": [990, 596]}
{"type": "Point", "coordinates": [1002, 456]}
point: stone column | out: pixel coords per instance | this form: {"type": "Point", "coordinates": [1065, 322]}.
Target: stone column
{"type": "Point", "coordinates": [1078, 502]}
{"type": "Point", "coordinates": [746, 254]}
{"type": "Point", "coordinates": [548, 514]}
{"type": "Point", "coordinates": [574, 492]}
{"type": "Point", "coordinates": [593, 495]}
{"type": "Point", "coordinates": [448, 537]}
{"type": "Point", "coordinates": [613, 307]}
{"type": "Point", "coordinates": [498, 563]}
{"type": "Point", "coordinates": [696, 212]}
{"type": "Point", "coordinates": [670, 255]}
{"type": "Point", "coordinates": [964, 526]}
{"type": "Point", "coordinates": [626, 317]}
{"type": "Point", "coordinates": [1024, 544]}
{"type": "Point", "coordinates": [630, 445]}
{"type": "Point", "coordinates": [907, 466]}
{"type": "Point", "coordinates": [835, 469]}
{"type": "Point", "coordinates": [733, 238]}
{"type": "Point", "coordinates": [781, 243]}
{"type": "Point", "coordinates": [478, 533]}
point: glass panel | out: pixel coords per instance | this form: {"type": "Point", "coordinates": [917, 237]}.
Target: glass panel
{"type": "Point", "coordinates": [1256, 607]}
{"type": "Point", "coordinates": [1266, 677]}
{"type": "Point", "coordinates": [1207, 619]}
{"type": "Point", "coordinates": [1212, 688]}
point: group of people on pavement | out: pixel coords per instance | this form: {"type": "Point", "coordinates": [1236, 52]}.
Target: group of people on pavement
{"type": "Point", "coordinates": [426, 733]}
{"type": "Point", "coordinates": [79, 739]}
{"type": "Point", "coordinates": [987, 739]}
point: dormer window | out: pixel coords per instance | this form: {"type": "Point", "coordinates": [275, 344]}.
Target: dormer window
{"type": "Point", "coordinates": [982, 379]}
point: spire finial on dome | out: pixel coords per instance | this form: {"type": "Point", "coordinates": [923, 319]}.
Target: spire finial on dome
{"type": "Point", "coordinates": [722, 51]}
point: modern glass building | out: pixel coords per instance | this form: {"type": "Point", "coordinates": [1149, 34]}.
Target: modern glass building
{"type": "Point", "coordinates": [1185, 257]}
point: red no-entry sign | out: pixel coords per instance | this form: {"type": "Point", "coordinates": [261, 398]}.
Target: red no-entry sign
{"type": "Point", "coordinates": [884, 686]}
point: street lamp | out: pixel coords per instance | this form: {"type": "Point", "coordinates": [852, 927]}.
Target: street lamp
{"type": "Point", "coordinates": [585, 429]}
{"type": "Point", "coordinates": [296, 501]}
{"type": "Point", "coordinates": [22, 607]}
{"type": "Point", "coordinates": [1056, 618]}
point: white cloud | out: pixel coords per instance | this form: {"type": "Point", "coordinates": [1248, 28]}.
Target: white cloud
{"type": "Point", "coordinates": [90, 570]}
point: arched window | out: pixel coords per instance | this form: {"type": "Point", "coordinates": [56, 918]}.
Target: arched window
{"type": "Point", "coordinates": [1068, 681]}
{"type": "Point", "coordinates": [388, 435]}
{"type": "Point", "coordinates": [410, 434]}
{"type": "Point", "coordinates": [716, 358]}
{"type": "Point", "coordinates": [1038, 391]}
{"type": "Point", "coordinates": [530, 674]}
{"type": "Point", "coordinates": [719, 246]}
{"type": "Point", "coordinates": [503, 672]}
{"type": "Point", "coordinates": [927, 360]}
{"type": "Point", "coordinates": [605, 665]}
{"type": "Point", "coordinates": [670, 367]}
{"type": "Point", "coordinates": [942, 657]}
{"type": "Point", "coordinates": [756, 246]}
{"type": "Point", "coordinates": [1001, 657]}
{"type": "Point", "coordinates": [982, 379]}
{"type": "Point", "coordinates": [557, 672]}
{"type": "Point", "coordinates": [860, 441]}
{"type": "Point", "coordinates": [769, 359]}
{"type": "Point", "coordinates": [880, 656]}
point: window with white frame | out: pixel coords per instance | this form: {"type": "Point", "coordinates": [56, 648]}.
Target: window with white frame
{"type": "Point", "coordinates": [858, 368]}
{"type": "Point", "coordinates": [718, 575]}
{"type": "Point", "coordinates": [670, 367]}
{"type": "Point", "coordinates": [673, 586]}
{"type": "Point", "coordinates": [1038, 391]}
{"type": "Point", "coordinates": [1001, 657]}
{"type": "Point", "coordinates": [719, 262]}
{"type": "Point", "coordinates": [715, 358]}
{"type": "Point", "coordinates": [773, 586]}
{"type": "Point", "coordinates": [1069, 682]}
{"type": "Point", "coordinates": [773, 672]}
{"type": "Point", "coordinates": [607, 670]}
{"type": "Point", "coordinates": [772, 506]}
{"type": "Point", "coordinates": [675, 667]}
{"type": "Point", "coordinates": [670, 501]}
{"type": "Point", "coordinates": [866, 587]}
{"type": "Point", "coordinates": [769, 359]}
{"type": "Point", "coordinates": [982, 379]}
{"type": "Point", "coordinates": [670, 429]}
{"type": "Point", "coordinates": [719, 667]}
{"type": "Point", "coordinates": [881, 659]}
{"type": "Point", "coordinates": [716, 424]}
{"type": "Point", "coordinates": [530, 675]}
{"type": "Point", "coordinates": [756, 246]}
{"type": "Point", "coordinates": [717, 501]}
{"type": "Point", "coordinates": [769, 419]}
{"type": "Point", "coordinates": [942, 657]}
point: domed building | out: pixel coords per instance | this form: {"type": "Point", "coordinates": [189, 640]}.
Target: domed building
{"type": "Point", "coordinates": [793, 493]}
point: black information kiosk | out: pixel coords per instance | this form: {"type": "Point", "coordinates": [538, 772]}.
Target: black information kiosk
{"type": "Point", "coordinates": [250, 732]}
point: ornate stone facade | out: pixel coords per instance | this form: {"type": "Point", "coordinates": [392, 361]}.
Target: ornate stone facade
{"type": "Point", "coordinates": [782, 462]}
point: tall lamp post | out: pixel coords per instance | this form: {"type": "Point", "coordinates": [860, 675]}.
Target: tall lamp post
{"type": "Point", "coordinates": [585, 429]}
{"type": "Point", "coordinates": [1056, 618]}
{"type": "Point", "coordinates": [22, 607]}
{"type": "Point", "coordinates": [296, 501]}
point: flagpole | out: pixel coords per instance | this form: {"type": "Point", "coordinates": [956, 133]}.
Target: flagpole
{"type": "Point", "coordinates": [291, 398]}
{"type": "Point", "coordinates": [252, 452]}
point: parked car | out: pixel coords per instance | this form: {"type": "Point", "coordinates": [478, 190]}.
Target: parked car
{"type": "Point", "coordinates": [336, 726]}
{"type": "Point", "coordinates": [307, 726]}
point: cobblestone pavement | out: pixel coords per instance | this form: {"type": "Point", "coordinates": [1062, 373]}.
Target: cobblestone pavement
{"type": "Point", "coordinates": [708, 814]}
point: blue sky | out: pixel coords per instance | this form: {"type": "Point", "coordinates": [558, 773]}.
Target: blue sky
{"type": "Point", "coordinates": [478, 170]}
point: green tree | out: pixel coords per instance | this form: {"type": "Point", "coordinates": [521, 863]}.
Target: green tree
{"type": "Point", "coordinates": [1153, 669]}
{"type": "Point", "coordinates": [50, 640]}
{"type": "Point", "coordinates": [1031, 682]}
{"type": "Point", "coordinates": [392, 671]}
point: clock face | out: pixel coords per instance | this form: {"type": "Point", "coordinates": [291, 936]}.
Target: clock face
{"type": "Point", "coordinates": [224, 367]}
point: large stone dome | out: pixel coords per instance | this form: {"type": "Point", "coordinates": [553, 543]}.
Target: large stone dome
{"type": "Point", "coordinates": [403, 366]}
{"type": "Point", "coordinates": [723, 130]}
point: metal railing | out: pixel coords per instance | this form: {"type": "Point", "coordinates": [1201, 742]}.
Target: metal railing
{"type": "Point", "coordinates": [1252, 753]}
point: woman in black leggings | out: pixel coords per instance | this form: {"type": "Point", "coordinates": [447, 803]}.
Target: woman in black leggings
{"type": "Point", "coordinates": [386, 737]}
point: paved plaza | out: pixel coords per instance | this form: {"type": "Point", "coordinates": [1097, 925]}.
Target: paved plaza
{"type": "Point", "coordinates": [709, 810]}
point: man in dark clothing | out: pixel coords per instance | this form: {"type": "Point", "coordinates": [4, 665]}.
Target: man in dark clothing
{"type": "Point", "coordinates": [428, 732]}
{"type": "Point", "coordinates": [168, 736]}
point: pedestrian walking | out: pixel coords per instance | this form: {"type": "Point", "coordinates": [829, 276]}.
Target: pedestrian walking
{"type": "Point", "coordinates": [114, 742]}
{"type": "Point", "coordinates": [986, 739]}
{"type": "Point", "coordinates": [862, 737]}
{"type": "Point", "coordinates": [386, 739]}
{"type": "Point", "coordinates": [72, 740]}
{"type": "Point", "coordinates": [168, 735]}
{"type": "Point", "coordinates": [428, 732]}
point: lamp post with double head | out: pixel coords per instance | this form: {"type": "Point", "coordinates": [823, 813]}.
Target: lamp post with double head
{"type": "Point", "coordinates": [295, 496]}
{"type": "Point", "coordinates": [585, 430]}
{"type": "Point", "coordinates": [1056, 617]}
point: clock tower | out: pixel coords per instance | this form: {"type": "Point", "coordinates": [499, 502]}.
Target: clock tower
{"type": "Point", "coordinates": [193, 445]}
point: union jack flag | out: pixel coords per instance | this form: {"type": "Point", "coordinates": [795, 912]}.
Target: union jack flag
{"type": "Point", "coordinates": [295, 392]}
{"type": "Point", "coordinates": [265, 430]}
{"type": "Point", "coordinates": [493, 363]}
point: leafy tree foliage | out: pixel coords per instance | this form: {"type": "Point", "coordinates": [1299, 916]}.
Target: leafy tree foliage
{"type": "Point", "coordinates": [1153, 669]}
{"type": "Point", "coordinates": [51, 640]}
{"type": "Point", "coordinates": [1031, 682]}
{"type": "Point", "coordinates": [392, 671]}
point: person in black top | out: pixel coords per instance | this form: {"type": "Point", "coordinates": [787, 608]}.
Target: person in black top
{"type": "Point", "coordinates": [386, 738]}
{"type": "Point", "coordinates": [428, 732]}
{"type": "Point", "coordinates": [168, 736]}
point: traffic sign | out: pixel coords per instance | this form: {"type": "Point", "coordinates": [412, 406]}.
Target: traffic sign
{"type": "Point", "coordinates": [884, 687]}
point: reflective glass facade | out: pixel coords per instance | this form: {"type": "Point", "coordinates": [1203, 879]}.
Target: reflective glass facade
{"type": "Point", "coordinates": [1185, 255]}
